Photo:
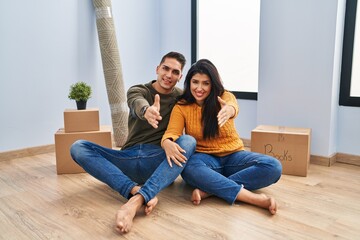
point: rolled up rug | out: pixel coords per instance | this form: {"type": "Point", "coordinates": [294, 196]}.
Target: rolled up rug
{"type": "Point", "coordinates": [112, 70]}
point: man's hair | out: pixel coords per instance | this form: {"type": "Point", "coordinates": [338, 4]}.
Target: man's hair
{"type": "Point", "coordinates": [178, 56]}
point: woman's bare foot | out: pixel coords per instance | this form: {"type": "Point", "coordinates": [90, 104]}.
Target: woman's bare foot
{"type": "Point", "coordinates": [260, 200]}
{"type": "Point", "coordinates": [151, 205]}
{"type": "Point", "coordinates": [273, 206]}
{"type": "Point", "coordinates": [197, 195]}
{"type": "Point", "coordinates": [266, 202]}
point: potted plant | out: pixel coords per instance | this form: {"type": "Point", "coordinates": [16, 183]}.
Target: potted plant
{"type": "Point", "coordinates": [80, 92]}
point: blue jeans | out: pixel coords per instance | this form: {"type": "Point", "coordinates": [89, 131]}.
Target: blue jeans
{"type": "Point", "coordinates": [124, 169]}
{"type": "Point", "coordinates": [225, 176]}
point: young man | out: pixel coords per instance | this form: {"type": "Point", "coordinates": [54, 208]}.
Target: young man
{"type": "Point", "coordinates": [142, 160]}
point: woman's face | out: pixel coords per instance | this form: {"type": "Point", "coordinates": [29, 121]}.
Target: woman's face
{"type": "Point", "coordinates": [200, 87]}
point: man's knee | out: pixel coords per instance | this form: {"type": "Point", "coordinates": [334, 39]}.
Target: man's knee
{"type": "Point", "coordinates": [77, 148]}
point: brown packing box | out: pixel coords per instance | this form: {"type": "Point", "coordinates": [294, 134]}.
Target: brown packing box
{"type": "Point", "coordinates": [63, 142]}
{"type": "Point", "coordinates": [81, 120]}
{"type": "Point", "coordinates": [289, 145]}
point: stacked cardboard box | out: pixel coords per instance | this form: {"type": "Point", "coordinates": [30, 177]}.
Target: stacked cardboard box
{"type": "Point", "coordinates": [78, 124]}
{"type": "Point", "coordinates": [81, 120]}
{"type": "Point", "coordinates": [291, 146]}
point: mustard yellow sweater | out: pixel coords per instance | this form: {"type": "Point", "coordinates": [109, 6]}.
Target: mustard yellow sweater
{"type": "Point", "coordinates": [188, 117]}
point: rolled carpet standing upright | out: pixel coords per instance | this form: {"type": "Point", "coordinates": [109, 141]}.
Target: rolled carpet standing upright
{"type": "Point", "coordinates": [112, 70]}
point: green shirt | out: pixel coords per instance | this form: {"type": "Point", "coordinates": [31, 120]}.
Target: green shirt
{"type": "Point", "coordinates": [140, 131]}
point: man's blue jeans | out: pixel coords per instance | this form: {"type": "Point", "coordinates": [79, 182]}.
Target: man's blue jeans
{"type": "Point", "coordinates": [225, 176]}
{"type": "Point", "coordinates": [124, 169]}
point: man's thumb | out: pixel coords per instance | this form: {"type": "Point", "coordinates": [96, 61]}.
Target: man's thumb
{"type": "Point", "coordinates": [157, 102]}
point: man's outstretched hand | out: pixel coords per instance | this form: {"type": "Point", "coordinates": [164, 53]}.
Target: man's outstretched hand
{"type": "Point", "coordinates": [152, 113]}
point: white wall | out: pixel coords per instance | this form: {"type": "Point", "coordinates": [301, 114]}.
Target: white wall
{"type": "Point", "coordinates": [349, 130]}
{"type": "Point", "coordinates": [247, 118]}
{"type": "Point", "coordinates": [300, 65]}
{"type": "Point", "coordinates": [38, 60]}
{"type": "Point", "coordinates": [297, 67]}
{"type": "Point", "coordinates": [175, 34]}
{"type": "Point", "coordinates": [47, 45]}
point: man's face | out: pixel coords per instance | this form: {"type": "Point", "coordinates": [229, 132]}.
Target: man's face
{"type": "Point", "coordinates": [169, 73]}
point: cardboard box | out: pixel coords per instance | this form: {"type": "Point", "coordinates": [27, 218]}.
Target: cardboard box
{"type": "Point", "coordinates": [81, 120]}
{"type": "Point", "coordinates": [289, 145]}
{"type": "Point", "coordinates": [63, 142]}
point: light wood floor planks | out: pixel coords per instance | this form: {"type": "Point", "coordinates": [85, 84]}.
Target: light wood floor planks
{"type": "Point", "coordinates": [36, 203]}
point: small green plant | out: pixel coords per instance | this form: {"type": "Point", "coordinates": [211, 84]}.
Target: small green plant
{"type": "Point", "coordinates": [80, 91]}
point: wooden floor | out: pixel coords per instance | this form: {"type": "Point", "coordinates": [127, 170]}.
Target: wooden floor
{"type": "Point", "coordinates": [36, 203]}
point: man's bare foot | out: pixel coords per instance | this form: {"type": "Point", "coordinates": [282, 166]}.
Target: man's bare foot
{"type": "Point", "coordinates": [134, 190]}
{"type": "Point", "coordinates": [125, 215]}
{"type": "Point", "coordinates": [197, 195]}
{"type": "Point", "coordinates": [151, 205]}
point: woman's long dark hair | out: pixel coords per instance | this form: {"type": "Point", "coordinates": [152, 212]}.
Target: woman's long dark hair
{"type": "Point", "coordinates": [211, 105]}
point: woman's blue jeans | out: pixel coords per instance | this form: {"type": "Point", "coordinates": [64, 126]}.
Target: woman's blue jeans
{"type": "Point", "coordinates": [124, 169]}
{"type": "Point", "coordinates": [225, 176]}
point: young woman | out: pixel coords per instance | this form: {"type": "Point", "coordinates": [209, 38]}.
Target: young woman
{"type": "Point", "coordinates": [220, 165]}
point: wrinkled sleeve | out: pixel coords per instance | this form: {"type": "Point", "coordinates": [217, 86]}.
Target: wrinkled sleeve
{"type": "Point", "coordinates": [136, 100]}
{"type": "Point", "coordinates": [176, 124]}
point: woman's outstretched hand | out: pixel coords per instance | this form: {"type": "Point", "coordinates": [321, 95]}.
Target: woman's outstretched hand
{"type": "Point", "coordinates": [225, 113]}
